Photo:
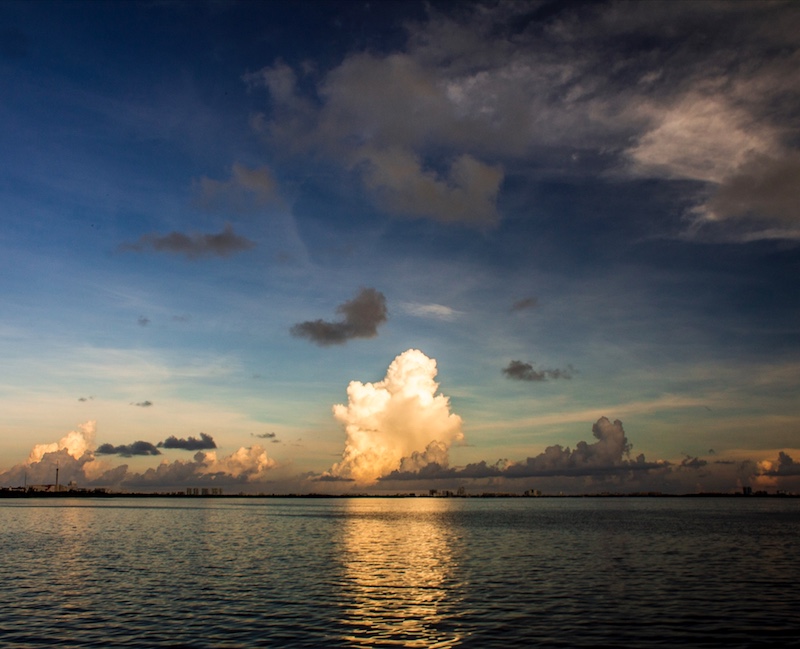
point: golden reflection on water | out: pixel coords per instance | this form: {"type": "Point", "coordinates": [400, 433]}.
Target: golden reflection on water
{"type": "Point", "coordinates": [400, 583]}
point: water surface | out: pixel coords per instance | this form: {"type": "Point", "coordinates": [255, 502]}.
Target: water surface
{"type": "Point", "coordinates": [426, 572]}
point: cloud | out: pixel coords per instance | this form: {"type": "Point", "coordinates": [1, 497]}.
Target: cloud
{"type": "Point", "coordinates": [609, 456]}
{"type": "Point", "coordinates": [76, 460]}
{"type": "Point", "coordinates": [246, 190]}
{"type": "Point", "coordinates": [495, 90]}
{"type": "Point", "coordinates": [466, 193]}
{"type": "Point", "coordinates": [434, 311]}
{"type": "Point", "coordinates": [524, 304]}
{"type": "Point", "coordinates": [398, 422]}
{"type": "Point", "coordinates": [142, 321]}
{"type": "Point", "coordinates": [264, 435]}
{"type": "Point", "coordinates": [519, 371]}
{"type": "Point", "coordinates": [85, 398]}
{"type": "Point", "coordinates": [190, 444]}
{"type": "Point", "coordinates": [362, 316]}
{"type": "Point", "coordinates": [693, 462]}
{"type": "Point", "coordinates": [784, 465]}
{"type": "Point", "coordinates": [144, 404]}
{"type": "Point", "coordinates": [76, 443]}
{"type": "Point", "coordinates": [193, 246]}
{"type": "Point", "coordinates": [699, 138]}
{"type": "Point", "coordinates": [765, 189]}
{"type": "Point", "coordinates": [128, 450]}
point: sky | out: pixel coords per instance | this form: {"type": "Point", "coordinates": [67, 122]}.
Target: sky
{"type": "Point", "coordinates": [372, 247]}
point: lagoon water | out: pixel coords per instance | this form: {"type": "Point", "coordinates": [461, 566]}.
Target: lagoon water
{"type": "Point", "coordinates": [411, 572]}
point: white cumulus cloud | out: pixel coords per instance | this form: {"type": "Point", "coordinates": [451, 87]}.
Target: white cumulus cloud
{"type": "Point", "coordinates": [400, 421]}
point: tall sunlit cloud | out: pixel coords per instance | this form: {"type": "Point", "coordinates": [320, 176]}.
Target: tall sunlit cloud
{"type": "Point", "coordinates": [398, 422]}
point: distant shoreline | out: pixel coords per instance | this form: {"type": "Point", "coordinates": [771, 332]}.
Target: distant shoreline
{"type": "Point", "coordinates": [20, 494]}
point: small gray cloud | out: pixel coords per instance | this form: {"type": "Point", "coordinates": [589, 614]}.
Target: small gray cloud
{"type": "Point", "coordinates": [524, 303]}
{"type": "Point", "coordinates": [189, 444]}
{"type": "Point", "coordinates": [144, 404]}
{"type": "Point", "coordinates": [128, 450]}
{"type": "Point", "coordinates": [264, 435]}
{"type": "Point", "coordinates": [85, 398]}
{"type": "Point", "coordinates": [693, 462]}
{"type": "Point", "coordinates": [519, 371]}
{"type": "Point", "coordinates": [362, 316]}
{"type": "Point", "coordinates": [247, 190]}
{"type": "Point", "coordinates": [194, 246]}
{"type": "Point", "coordinates": [143, 321]}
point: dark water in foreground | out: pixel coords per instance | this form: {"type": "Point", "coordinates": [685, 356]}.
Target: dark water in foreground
{"type": "Point", "coordinates": [400, 573]}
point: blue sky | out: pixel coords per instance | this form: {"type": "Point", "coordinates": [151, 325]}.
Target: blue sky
{"type": "Point", "coordinates": [216, 216]}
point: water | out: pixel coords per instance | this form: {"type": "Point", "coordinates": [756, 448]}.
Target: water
{"type": "Point", "coordinates": [422, 572]}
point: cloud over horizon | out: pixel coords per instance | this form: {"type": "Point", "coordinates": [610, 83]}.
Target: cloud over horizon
{"type": "Point", "coordinates": [607, 457]}
{"type": "Point", "coordinates": [75, 457]}
{"type": "Point", "coordinates": [399, 422]}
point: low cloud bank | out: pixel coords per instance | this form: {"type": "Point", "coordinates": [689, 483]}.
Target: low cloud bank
{"type": "Point", "coordinates": [78, 461]}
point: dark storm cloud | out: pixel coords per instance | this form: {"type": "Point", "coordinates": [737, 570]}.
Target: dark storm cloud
{"type": "Point", "coordinates": [525, 303]}
{"type": "Point", "coordinates": [128, 450]}
{"type": "Point", "coordinates": [362, 316]}
{"type": "Point", "coordinates": [519, 371]}
{"type": "Point", "coordinates": [190, 444]}
{"type": "Point", "coordinates": [193, 246]}
{"type": "Point", "coordinates": [607, 457]}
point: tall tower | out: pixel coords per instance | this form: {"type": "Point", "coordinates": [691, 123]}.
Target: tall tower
{"type": "Point", "coordinates": [56, 476]}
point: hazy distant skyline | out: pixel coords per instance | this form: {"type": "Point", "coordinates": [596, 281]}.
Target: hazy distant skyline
{"type": "Point", "coordinates": [323, 246]}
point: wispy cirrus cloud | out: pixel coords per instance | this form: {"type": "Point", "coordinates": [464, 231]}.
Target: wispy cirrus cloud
{"type": "Point", "coordinates": [248, 189]}
{"type": "Point", "coordinates": [430, 310]}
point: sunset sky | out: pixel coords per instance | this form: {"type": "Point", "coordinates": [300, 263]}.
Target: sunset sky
{"type": "Point", "coordinates": [387, 246]}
